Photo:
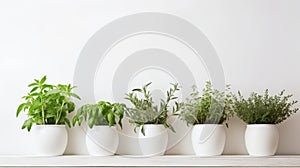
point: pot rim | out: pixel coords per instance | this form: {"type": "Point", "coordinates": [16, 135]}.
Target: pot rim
{"type": "Point", "coordinates": [153, 125]}
{"type": "Point", "coordinates": [261, 125]}
{"type": "Point", "coordinates": [103, 126]}
{"type": "Point", "coordinates": [49, 125]}
{"type": "Point", "coordinates": [218, 125]}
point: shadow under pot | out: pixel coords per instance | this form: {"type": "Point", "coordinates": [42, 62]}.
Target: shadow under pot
{"type": "Point", "coordinates": [102, 140]}
{"type": "Point", "coordinates": [155, 140]}
{"type": "Point", "coordinates": [208, 139]}
{"type": "Point", "coordinates": [49, 140]}
{"type": "Point", "coordinates": [261, 139]}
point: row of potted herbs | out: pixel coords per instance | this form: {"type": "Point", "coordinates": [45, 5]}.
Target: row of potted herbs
{"type": "Point", "coordinates": [47, 107]}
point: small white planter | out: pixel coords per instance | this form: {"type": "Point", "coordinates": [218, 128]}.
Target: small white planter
{"type": "Point", "coordinates": [208, 139]}
{"type": "Point", "coordinates": [261, 139]}
{"type": "Point", "coordinates": [49, 140]}
{"type": "Point", "coordinates": [102, 140]}
{"type": "Point", "coordinates": [155, 141]}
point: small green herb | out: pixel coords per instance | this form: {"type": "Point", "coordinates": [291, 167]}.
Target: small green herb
{"type": "Point", "coordinates": [264, 109]}
{"type": "Point", "coordinates": [212, 107]}
{"type": "Point", "coordinates": [145, 112]}
{"type": "Point", "coordinates": [47, 104]}
{"type": "Point", "coordinates": [103, 113]}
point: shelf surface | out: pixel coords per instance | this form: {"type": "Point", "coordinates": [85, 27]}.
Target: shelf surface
{"type": "Point", "coordinates": [158, 161]}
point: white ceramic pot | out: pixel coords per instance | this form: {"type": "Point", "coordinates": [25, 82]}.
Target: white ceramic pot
{"type": "Point", "coordinates": [261, 139]}
{"type": "Point", "coordinates": [49, 140]}
{"type": "Point", "coordinates": [102, 140]}
{"type": "Point", "coordinates": [155, 141]}
{"type": "Point", "coordinates": [208, 139]}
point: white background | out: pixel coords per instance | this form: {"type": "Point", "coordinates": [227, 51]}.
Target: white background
{"type": "Point", "coordinates": [257, 42]}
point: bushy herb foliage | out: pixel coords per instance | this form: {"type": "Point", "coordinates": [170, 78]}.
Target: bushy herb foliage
{"type": "Point", "coordinates": [47, 104]}
{"type": "Point", "coordinates": [145, 112]}
{"type": "Point", "coordinates": [212, 107]}
{"type": "Point", "coordinates": [264, 109]}
{"type": "Point", "coordinates": [102, 113]}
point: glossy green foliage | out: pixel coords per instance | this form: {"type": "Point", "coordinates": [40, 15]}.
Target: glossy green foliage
{"type": "Point", "coordinates": [102, 113]}
{"type": "Point", "coordinates": [47, 104]}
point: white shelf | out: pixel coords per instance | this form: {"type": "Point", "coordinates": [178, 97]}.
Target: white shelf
{"type": "Point", "coordinates": [159, 161]}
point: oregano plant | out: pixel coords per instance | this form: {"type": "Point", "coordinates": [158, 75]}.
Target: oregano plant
{"type": "Point", "coordinates": [144, 111]}
{"type": "Point", "coordinates": [210, 107]}
{"type": "Point", "coordinates": [102, 113]}
{"type": "Point", "coordinates": [47, 104]}
{"type": "Point", "coordinates": [263, 108]}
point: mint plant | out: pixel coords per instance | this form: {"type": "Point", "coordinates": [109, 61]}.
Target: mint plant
{"type": "Point", "coordinates": [102, 113]}
{"type": "Point", "coordinates": [47, 104]}
{"type": "Point", "coordinates": [212, 107]}
{"type": "Point", "coordinates": [145, 112]}
{"type": "Point", "coordinates": [264, 109]}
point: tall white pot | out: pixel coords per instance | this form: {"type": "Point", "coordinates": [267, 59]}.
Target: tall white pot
{"type": "Point", "coordinates": [49, 140]}
{"type": "Point", "coordinates": [208, 139]}
{"type": "Point", "coordinates": [155, 141]}
{"type": "Point", "coordinates": [261, 139]}
{"type": "Point", "coordinates": [102, 140]}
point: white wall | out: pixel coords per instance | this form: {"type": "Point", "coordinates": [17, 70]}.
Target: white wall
{"type": "Point", "coordinates": [257, 42]}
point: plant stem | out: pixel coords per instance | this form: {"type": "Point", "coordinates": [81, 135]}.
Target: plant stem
{"type": "Point", "coordinates": [42, 102]}
{"type": "Point", "coordinates": [43, 114]}
{"type": "Point", "coordinates": [59, 113]}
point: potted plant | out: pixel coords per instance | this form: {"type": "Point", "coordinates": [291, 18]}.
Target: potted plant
{"type": "Point", "coordinates": [207, 113]}
{"type": "Point", "coordinates": [47, 107]}
{"type": "Point", "coordinates": [101, 138]}
{"type": "Point", "coordinates": [151, 119]}
{"type": "Point", "coordinates": [262, 113]}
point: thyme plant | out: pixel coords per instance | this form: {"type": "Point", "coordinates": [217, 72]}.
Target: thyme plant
{"type": "Point", "coordinates": [264, 109]}
{"type": "Point", "coordinates": [212, 107]}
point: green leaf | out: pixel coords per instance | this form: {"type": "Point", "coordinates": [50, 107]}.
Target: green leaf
{"type": "Point", "coordinates": [111, 119]}
{"type": "Point", "coordinates": [42, 81]}
{"type": "Point", "coordinates": [143, 130]}
{"type": "Point", "coordinates": [54, 91]}
{"type": "Point", "coordinates": [80, 120]}
{"type": "Point", "coordinates": [91, 122]}
{"type": "Point", "coordinates": [67, 121]}
{"type": "Point", "coordinates": [35, 94]}
{"type": "Point", "coordinates": [50, 115]}
{"type": "Point", "coordinates": [20, 108]}
{"type": "Point", "coordinates": [120, 123]}
{"type": "Point", "coordinates": [137, 90]}
{"type": "Point", "coordinates": [75, 95]}
{"type": "Point", "coordinates": [148, 84]}
{"type": "Point", "coordinates": [27, 124]}
{"type": "Point", "coordinates": [47, 86]}
{"type": "Point", "coordinates": [74, 120]}
{"type": "Point", "coordinates": [171, 128]}
{"type": "Point", "coordinates": [34, 89]}
{"type": "Point", "coordinates": [32, 84]}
